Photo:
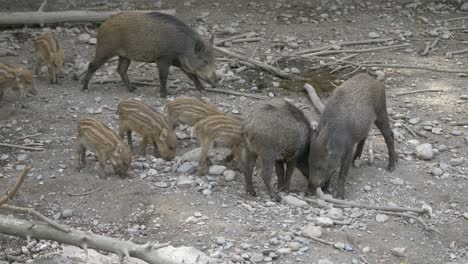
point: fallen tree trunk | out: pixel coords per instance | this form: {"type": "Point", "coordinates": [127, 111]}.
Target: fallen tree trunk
{"type": "Point", "coordinates": [74, 16]}
{"type": "Point", "coordinates": [150, 252]}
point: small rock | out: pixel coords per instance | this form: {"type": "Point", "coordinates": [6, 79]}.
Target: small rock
{"type": "Point", "coordinates": [220, 241]}
{"type": "Point", "coordinates": [325, 261]}
{"type": "Point", "coordinates": [25, 250]}
{"type": "Point", "coordinates": [436, 131]}
{"type": "Point", "coordinates": [424, 151]}
{"type": "Point", "coordinates": [464, 7]}
{"type": "Point", "coordinates": [414, 121]}
{"type": "Point", "coordinates": [184, 182]}
{"type": "Point", "coordinates": [456, 133]}
{"type": "Point", "coordinates": [22, 157]}
{"type": "Point", "coordinates": [84, 38]}
{"type": "Point", "coordinates": [381, 218]}
{"type": "Point", "coordinates": [365, 249]}
{"type": "Point", "coordinates": [311, 230]}
{"type": "Point", "coordinates": [466, 216]}
{"type": "Point", "coordinates": [442, 147]}
{"type": "Point", "coordinates": [152, 172]}
{"type": "Point", "coordinates": [398, 251]}
{"type": "Point", "coordinates": [206, 192]}
{"type": "Point", "coordinates": [456, 161]}
{"type": "Point", "coordinates": [229, 175]}
{"type": "Point", "coordinates": [294, 246]}
{"type": "Point", "coordinates": [323, 221]}
{"type": "Point", "coordinates": [192, 155]}
{"type": "Point", "coordinates": [67, 213]}
{"type": "Point", "coordinates": [367, 188]}
{"type": "Point", "coordinates": [20, 167]}
{"type": "Point", "coordinates": [217, 169]}
{"type": "Point", "coordinates": [373, 35]}
{"type": "Point", "coordinates": [186, 168]}
{"type": "Point", "coordinates": [437, 171]}
{"type": "Point", "coordinates": [256, 257]}
{"type": "Point", "coordinates": [283, 251]}
{"type": "Point", "coordinates": [229, 31]}
{"type": "Point", "coordinates": [293, 201]}
{"type": "Point", "coordinates": [335, 213]}
{"type": "Point", "coordinates": [161, 184]}
{"type": "Point", "coordinates": [92, 41]}
{"type": "Point", "coordinates": [237, 259]}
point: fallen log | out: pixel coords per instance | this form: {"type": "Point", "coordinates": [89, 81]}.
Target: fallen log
{"type": "Point", "coordinates": [73, 16]}
{"type": "Point", "coordinates": [345, 43]}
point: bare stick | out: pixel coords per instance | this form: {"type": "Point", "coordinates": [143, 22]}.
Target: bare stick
{"type": "Point", "coordinates": [245, 35]}
{"type": "Point", "coordinates": [19, 146]}
{"type": "Point", "coordinates": [259, 97]}
{"type": "Point", "coordinates": [11, 193]}
{"type": "Point", "coordinates": [464, 123]}
{"type": "Point", "coordinates": [455, 18]}
{"type": "Point", "coordinates": [332, 200]}
{"type": "Point", "coordinates": [429, 47]}
{"type": "Point", "coordinates": [416, 67]}
{"type": "Point", "coordinates": [7, 52]}
{"type": "Point", "coordinates": [259, 64]}
{"type": "Point", "coordinates": [329, 52]}
{"type": "Point", "coordinates": [41, 8]}
{"type": "Point", "coordinates": [37, 214]}
{"type": "Point", "coordinates": [136, 81]}
{"type": "Point", "coordinates": [85, 193]}
{"type": "Point", "coordinates": [246, 40]}
{"type": "Point", "coordinates": [420, 91]}
{"type": "Point", "coordinates": [322, 241]}
{"type": "Point", "coordinates": [30, 136]}
{"type": "Point", "coordinates": [424, 224]}
{"type": "Point", "coordinates": [314, 98]}
{"type": "Point", "coordinates": [345, 43]}
{"type": "Point", "coordinates": [151, 253]}
{"type": "Point", "coordinates": [451, 53]}
{"type": "Point", "coordinates": [72, 16]}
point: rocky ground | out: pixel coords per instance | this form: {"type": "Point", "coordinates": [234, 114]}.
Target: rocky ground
{"type": "Point", "coordinates": [166, 200]}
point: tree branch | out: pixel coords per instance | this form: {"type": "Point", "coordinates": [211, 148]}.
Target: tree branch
{"type": "Point", "coordinates": [329, 52]}
{"type": "Point", "coordinates": [19, 146]}
{"type": "Point", "coordinates": [345, 43]}
{"type": "Point", "coordinates": [12, 192]}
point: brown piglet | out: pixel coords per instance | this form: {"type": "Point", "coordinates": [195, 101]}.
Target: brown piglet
{"type": "Point", "coordinates": [48, 51]}
{"type": "Point", "coordinates": [151, 125]}
{"type": "Point", "coordinates": [97, 137]}
{"type": "Point", "coordinates": [188, 111]}
{"type": "Point", "coordinates": [19, 80]}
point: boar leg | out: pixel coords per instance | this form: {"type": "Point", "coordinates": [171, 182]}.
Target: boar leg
{"type": "Point", "coordinates": [80, 158]}
{"type": "Point", "coordinates": [37, 65]}
{"type": "Point", "coordinates": [345, 164]}
{"type": "Point", "coordinates": [267, 171]}
{"type": "Point", "coordinates": [250, 159]}
{"type": "Point", "coordinates": [384, 127]}
{"type": "Point", "coordinates": [358, 152]}
{"type": "Point", "coordinates": [92, 68]}
{"type": "Point", "coordinates": [52, 74]}
{"type": "Point", "coordinates": [144, 142]}
{"type": "Point", "coordinates": [102, 158]}
{"type": "Point", "coordinates": [202, 164]}
{"type": "Point", "coordinates": [122, 68]}
{"type": "Point", "coordinates": [195, 80]}
{"type": "Point", "coordinates": [290, 166]}
{"type": "Point", "coordinates": [163, 68]}
{"type": "Point", "coordinates": [279, 168]}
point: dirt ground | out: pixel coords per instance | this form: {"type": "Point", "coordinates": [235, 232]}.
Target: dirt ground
{"type": "Point", "coordinates": [150, 206]}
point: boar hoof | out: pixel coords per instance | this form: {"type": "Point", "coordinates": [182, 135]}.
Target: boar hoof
{"type": "Point", "coordinates": [132, 89]}
{"type": "Point", "coordinates": [275, 197]}
{"type": "Point", "coordinates": [252, 192]}
{"type": "Point", "coordinates": [391, 167]}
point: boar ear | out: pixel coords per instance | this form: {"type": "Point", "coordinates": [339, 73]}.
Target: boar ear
{"type": "Point", "coordinates": [163, 135]}
{"type": "Point", "coordinates": [199, 46]}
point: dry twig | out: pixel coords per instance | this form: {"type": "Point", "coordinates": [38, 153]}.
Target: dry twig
{"type": "Point", "coordinates": [7, 52]}
{"type": "Point", "coordinates": [345, 43]}
{"type": "Point", "coordinates": [37, 214]}
{"type": "Point", "coordinates": [11, 193]}
{"type": "Point", "coordinates": [424, 224]}
{"type": "Point", "coordinates": [429, 47]}
{"type": "Point", "coordinates": [245, 35]}
{"type": "Point", "coordinates": [85, 193]}
{"type": "Point", "coordinates": [416, 67]}
{"type": "Point", "coordinates": [20, 147]}
{"type": "Point", "coordinates": [420, 91]}
{"type": "Point", "coordinates": [329, 52]}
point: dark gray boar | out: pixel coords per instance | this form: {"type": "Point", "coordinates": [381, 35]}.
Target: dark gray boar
{"type": "Point", "coordinates": [153, 37]}
{"type": "Point", "coordinates": [345, 123]}
{"type": "Point", "coordinates": [278, 133]}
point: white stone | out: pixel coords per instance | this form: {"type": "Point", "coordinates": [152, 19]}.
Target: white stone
{"type": "Point", "coordinates": [464, 7]}
{"type": "Point", "coordinates": [293, 201]}
{"type": "Point", "coordinates": [84, 38]}
{"type": "Point", "coordinates": [335, 213]}
{"type": "Point", "coordinates": [311, 230]}
{"type": "Point", "coordinates": [217, 169]}
{"type": "Point", "coordinates": [456, 161]}
{"type": "Point", "coordinates": [325, 261]}
{"type": "Point", "coordinates": [229, 175]}
{"type": "Point", "coordinates": [192, 155]}
{"type": "Point", "coordinates": [437, 171]}
{"type": "Point", "coordinates": [373, 35]}
{"type": "Point", "coordinates": [323, 221]}
{"type": "Point", "coordinates": [381, 218]}
{"type": "Point", "coordinates": [67, 213]}
{"type": "Point", "coordinates": [424, 151]}
{"type": "Point", "coordinates": [398, 251]}
{"type": "Point", "coordinates": [184, 182]}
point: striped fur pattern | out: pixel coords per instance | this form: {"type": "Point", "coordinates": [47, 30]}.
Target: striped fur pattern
{"type": "Point", "coordinates": [188, 111]}
{"type": "Point", "coordinates": [219, 129]}
{"type": "Point", "coordinates": [17, 79]}
{"type": "Point", "coordinates": [151, 125]}
{"type": "Point", "coordinates": [99, 138]}
{"type": "Point", "coordinates": [49, 52]}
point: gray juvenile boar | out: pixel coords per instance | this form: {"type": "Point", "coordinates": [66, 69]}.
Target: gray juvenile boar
{"type": "Point", "coordinates": [17, 79]}
{"type": "Point", "coordinates": [48, 51]}
{"type": "Point", "coordinates": [220, 129]}
{"type": "Point", "coordinates": [188, 111]}
{"type": "Point", "coordinates": [345, 123]}
{"type": "Point", "coordinates": [151, 125]}
{"type": "Point", "coordinates": [278, 133]}
{"type": "Point", "coordinates": [153, 37]}
{"type": "Point", "coordinates": [97, 137]}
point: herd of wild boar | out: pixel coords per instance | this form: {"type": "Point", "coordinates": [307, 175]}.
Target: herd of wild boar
{"type": "Point", "coordinates": [277, 132]}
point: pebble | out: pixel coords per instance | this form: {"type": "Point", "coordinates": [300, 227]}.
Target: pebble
{"type": "Point", "coordinates": [335, 213]}
{"type": "Point", "coordinates": [293, 201]}
{"type": "Point", "coordinates": [207, 192]}
{"type": "Point", "coordinates": [365, 249]}
{"type": "Point", "coordinates": [84, 38]}
{"type": "Point", "coordinates": [25, 250]}
{"type": "Point", "coordinates": [237, 259]}
{"type": "Point", "coordinates": [367, 188]}
{"type": "Point", "coordinates": [294, 246]}
{"type": "Point", "coordinates": [256, 257]}
{"type": "Point", "coordinates": [283, 251]}
{"type": "Point", "coordinates": [311, 230]}
{"type": "Point", "coordinates": [20, 167]}
{"type": "Point", "coordinates": [161, 184]}
{"type": "Point", "coordinates": [424, 151]}
{"type": "Point", "coordinates": [184, 182]}
{"type": "Point", "coordinates": [22, 157]}
{"type": "Point", "coordinates": [465, 215]}
{"type": "Point", "coordinates": [92, 41]}
{"type": "Point", "coordinates": [217, 169]}
{"type": "Point", "coordinates": [381, 218]}
{"type": "Point", "coordinates": [414, 121]}
{"type": "Point", "coordinates": [456, 161]}
{"type": "Point", "coordinates": [442, 147]}
{"type": "Point", "coordinates": [229, 175]}
{"type": "Point", "coordinates": [464, 7]}
{"type": "Point", "coordinates": [152, 172]}
{"type": "Point", "coordinates": [67, 213]}
{"type": "Point", "coordinates": [456, 133]}
{"type": "Point", "coordinates": [220, 241]}
{"type": "Point", "coordinates": [436, 130]}
{"type": "Point", "coordinates": [437, 171]}
{"type": "Point", "coordinates": [323, 221]}
{"type": "Point", "coordinates": [192, 155]}
{"type": "Point", "coordinates": [373, 35]}
{"type": "Point", "coordinates": [325, 261]}
{"type": "Point", "coordinates": [398, 251]}
{"type": "Point", "coordinates": [186, 168]}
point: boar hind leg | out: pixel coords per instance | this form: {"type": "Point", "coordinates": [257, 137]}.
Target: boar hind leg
{"type": "Point", "coordinates": [358, 152]}
{"type": "Point", "coordinates": [144, 143]}
{"type": "Point", "coordinates": [102, 158]}
{"type": "Point", "coordinates": [92, 68]}
{"type": "Point", "coordinates": [267, 171]}
{"type": "Point", "coordinates": [345, 164]}
{"type": "Point", "coordinates": [290, 166]}
{"type": "Point", "coordinates": [279, 168]}
{"type": "Point", "coordinates": [195, 80]}
{"type": "Point", "coordinates": [122, 68]}
{"type": "Point", "coordinates": [80, 158]}
{"type": "Point", "coordinates": [202, 163]}
{"type": "Point", "coordinates": [384, 127]}
{"type": "Point", "coordinates": [250, 159]}
{"type": "Point", "coordinates": [163, 68]}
